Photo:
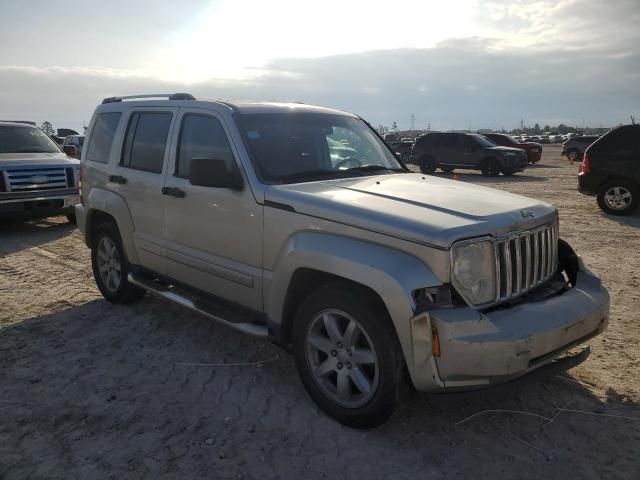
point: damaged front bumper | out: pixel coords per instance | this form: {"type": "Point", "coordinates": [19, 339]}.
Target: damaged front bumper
{"type": "Point", "coordinates": [479, 349]}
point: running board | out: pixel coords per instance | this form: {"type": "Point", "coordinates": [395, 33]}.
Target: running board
{"type": "Point", "coordinates": [164, 292]}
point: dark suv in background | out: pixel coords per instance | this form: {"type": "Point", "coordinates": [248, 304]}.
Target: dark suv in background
{"type": "Point", "coordinates": [610, 169]}
{"type": "Point", "coordinates": [449, 151]}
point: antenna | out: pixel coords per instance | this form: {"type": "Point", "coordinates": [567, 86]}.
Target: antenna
{"type": "Point", "coordinates": [633, 119]}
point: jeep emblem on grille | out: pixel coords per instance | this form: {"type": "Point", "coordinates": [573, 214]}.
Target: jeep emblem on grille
{"type": "Point", "coordinates": [527, 213]}
{"type": "Point", "coordinates": [38, 179]}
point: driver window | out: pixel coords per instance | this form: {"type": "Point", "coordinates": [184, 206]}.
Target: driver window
{"type": "Point", "coordinates": [201, 136]}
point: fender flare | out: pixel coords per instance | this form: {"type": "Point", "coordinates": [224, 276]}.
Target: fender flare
{"type": "Point", "coordinates": [391, 273]}
{"type": "Point", "coordinates": [111, 203]}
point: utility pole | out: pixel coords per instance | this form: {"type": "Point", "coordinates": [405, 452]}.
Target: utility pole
{"type": "Point", "coordinates": [413, 122]}
{"type": "Point", "coordinates": [633, 119]}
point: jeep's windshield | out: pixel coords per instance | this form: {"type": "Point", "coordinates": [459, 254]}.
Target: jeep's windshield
{"type": "Point", "coordinates": [14, 139]}
{"type": "Point", "coordinates": [294, 147]}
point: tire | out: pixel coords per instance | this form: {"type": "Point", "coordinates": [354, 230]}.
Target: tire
{"type": "Point", "coordinates": [427, 164]}
{"type": "Point", "coordinates": [573, 155]}
{"type": "Point", "coordinates": [370, 385]}
{"type": "Point", "coordinates": [71, 218]}
{"type": "Point", "coordinates": [490, 167]}
{"type": "Point", "coordinates": [447, 169]}
{"type": "Point", "coordinates": [619, 197]}
{"type": "Point", "coordinates": [111, 267]}
{"type": "Point", "coordinates": [507, 173]}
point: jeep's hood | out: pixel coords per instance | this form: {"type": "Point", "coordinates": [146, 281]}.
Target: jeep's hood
{"type": "Point", "coordinates": [415, 207]}
{"type": "Point", "coordinates": [35, 159]}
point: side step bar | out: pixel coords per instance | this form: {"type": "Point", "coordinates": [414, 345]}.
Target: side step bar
{"type": "Point", "coordinates": [158, 289]}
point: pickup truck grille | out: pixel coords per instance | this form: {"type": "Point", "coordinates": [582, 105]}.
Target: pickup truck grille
{"type": "Point", "coordinates": [525, 260]}
{"type": "Point", "coordinates": [45, 178]}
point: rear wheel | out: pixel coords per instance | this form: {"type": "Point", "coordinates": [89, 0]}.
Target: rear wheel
{"type": "Point", "coordinates": [427, 164]}
{"type": "Point", "coordinates": [447, 169]}
{"type": "Point", "coordinates": [71, 218]}
{"type": "Point", "coordinates": [619, 197]}
{"type": "Point", "coordinates": [348, 355]}
{"type": "Point", "coordinates": [490, 167]}
{"type": "Point", "coordinates": [111, 267]}
{"type": "Point", "coordinates": [573, 155]}
{"type": "Point", "coordinates": [507, 173]}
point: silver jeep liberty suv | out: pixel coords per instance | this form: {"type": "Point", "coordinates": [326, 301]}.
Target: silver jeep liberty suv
{"type": "Point", "coordinates": [298, 223]}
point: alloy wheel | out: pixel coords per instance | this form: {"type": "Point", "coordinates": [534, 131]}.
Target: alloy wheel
{"type": "Point", "coordinates": [341, 358]}
{"type": "Point", "coordinates": [109, 264]}
{"type": "Point", "coordinates": [618, 198]}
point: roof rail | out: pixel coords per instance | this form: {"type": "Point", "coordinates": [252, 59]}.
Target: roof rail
{"type": "Point", "coordinates": [170, 96]}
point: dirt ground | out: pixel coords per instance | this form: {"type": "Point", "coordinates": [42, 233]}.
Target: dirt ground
{"type": "Point", "coordinates": [93, 390]}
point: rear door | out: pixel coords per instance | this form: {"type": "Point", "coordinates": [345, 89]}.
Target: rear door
{"type": "Point", "coordinates": [213, 235]}
{"type": "Point", "coordinates": [139, 177]}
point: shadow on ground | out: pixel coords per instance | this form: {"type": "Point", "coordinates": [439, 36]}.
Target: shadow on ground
{"type": "Point", "coordinates": [101, 390]}
{"type": "Point", "coordinates": [18, 235]}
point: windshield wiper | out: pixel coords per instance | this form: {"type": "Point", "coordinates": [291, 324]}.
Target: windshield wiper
{"type": "Point", "coordinates": [312, 175]}
{"type": "Point", "coordinates": [373, 168]}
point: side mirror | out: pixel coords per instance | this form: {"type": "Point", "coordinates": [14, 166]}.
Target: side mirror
{"type": "Point", "coordinates": [70, 150]}
{"type": "Point", "coordinates": [213, 172]}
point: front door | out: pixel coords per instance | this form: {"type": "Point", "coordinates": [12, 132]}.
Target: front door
{"type": "Point", "coordinates": [139, 176]}
{"type": "Point", "coordinates": [213, 235]}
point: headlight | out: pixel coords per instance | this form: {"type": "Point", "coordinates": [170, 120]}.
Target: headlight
{"type": "Point", "coordinates": [473, 270]}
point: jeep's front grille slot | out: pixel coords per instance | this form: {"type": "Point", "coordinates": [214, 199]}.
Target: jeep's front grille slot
{"type": "Point", "coordinates": [525, 260]}
{"type": "Point", "coordinates": [30, 179]}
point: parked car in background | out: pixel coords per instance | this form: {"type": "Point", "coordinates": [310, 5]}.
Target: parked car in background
{"type": "Point", "coordinates": [556, 138]}
{"type": "Point", "coordinates": [610, 170]}
{"type": "Point", "coordinates": [372, 275]}
{"type": "Point", "coordinates": [533, 150]}
{"type": "Point", "coordinates": [402, 149]}
{"type": "Point", "coordinates": [449, 151]}
{"type": "Point", "coordinates": [575, 146]}
{"type": "Point", "coordinates": [36, 178]}
{"type": "Point", "coordinates": [76, 140]}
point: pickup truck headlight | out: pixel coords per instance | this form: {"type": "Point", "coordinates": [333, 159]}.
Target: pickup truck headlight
{"type": "Point", "coordinates": [473, 270]}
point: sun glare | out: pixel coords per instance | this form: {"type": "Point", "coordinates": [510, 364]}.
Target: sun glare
{"type": "Point", "coordinates": [237, 39]}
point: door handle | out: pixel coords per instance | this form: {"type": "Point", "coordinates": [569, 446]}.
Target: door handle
{"type": "Point", "coordinates": [117, 179]}
{"type": "Point", "coordinates": [173, 192]}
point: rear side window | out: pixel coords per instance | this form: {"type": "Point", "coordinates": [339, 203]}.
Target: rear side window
{"type": "Point", "coordinates": [146, 140]}
{"type": "Point", "coordinates": [102, 135]}
{"type": "Point", "coordinates": [622, 139]}
{"type": "Point", "coordinates": [202, 136]}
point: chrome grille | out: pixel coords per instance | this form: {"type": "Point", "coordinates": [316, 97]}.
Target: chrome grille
{"type": "Point", "coordinates": [525, 260]}
{"type": "Point", "coordinates": [44, 178]}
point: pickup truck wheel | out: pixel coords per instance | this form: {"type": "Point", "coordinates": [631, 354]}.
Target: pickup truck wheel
{"type": "Point", "coordinates": [490, 167]}
{"type": "Point", "coordinates": [427, 164]}
{"type": "Point", "coordinates": [111, 267]}
{"type": "Point", "coordinates": [619, 197]}
{"type": "Point", "coordinates": [348, 356]}
{"type": "Point", "coordinates": [71, 218]}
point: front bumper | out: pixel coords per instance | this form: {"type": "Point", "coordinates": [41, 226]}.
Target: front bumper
{"type": "Point", "coordinates": [38, 205]}
{"type": "Point", "coordinates": [482, 349]}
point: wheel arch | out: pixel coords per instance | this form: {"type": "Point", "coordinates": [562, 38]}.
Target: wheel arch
{"type": "Point", "coordinates": [102, 206]}
{"type": "Point", "coordinates": [309, 260]}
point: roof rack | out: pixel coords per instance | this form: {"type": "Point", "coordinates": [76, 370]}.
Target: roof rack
{"type": "Point", "coordinates": [170, 96]}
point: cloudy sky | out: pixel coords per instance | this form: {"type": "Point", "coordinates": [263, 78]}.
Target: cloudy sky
{"type": "Point", "coordinates": [451, 63]}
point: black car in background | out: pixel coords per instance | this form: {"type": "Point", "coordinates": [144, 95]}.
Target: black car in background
{"type": "Point", "coordinates": [610, 170]}
{"type": "Point", "coordinates": [451, 150]}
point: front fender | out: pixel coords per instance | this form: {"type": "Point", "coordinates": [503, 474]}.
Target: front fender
{"type": "Point", "coordinates": [111, 203]}
{"type": "Point", "coordinates": [392, 274]}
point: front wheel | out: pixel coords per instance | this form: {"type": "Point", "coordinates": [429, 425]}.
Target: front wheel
{"type": "Point", "coordinates": [111, 267]}
{"type": "Point", "coordinates": [490, 167]}
{"type": "Point", "coordinates": [427, 164]}
{"type": "Point", "coordinates": [619, 197]}
{"type": "Point", "coordinates": [348, 355]}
